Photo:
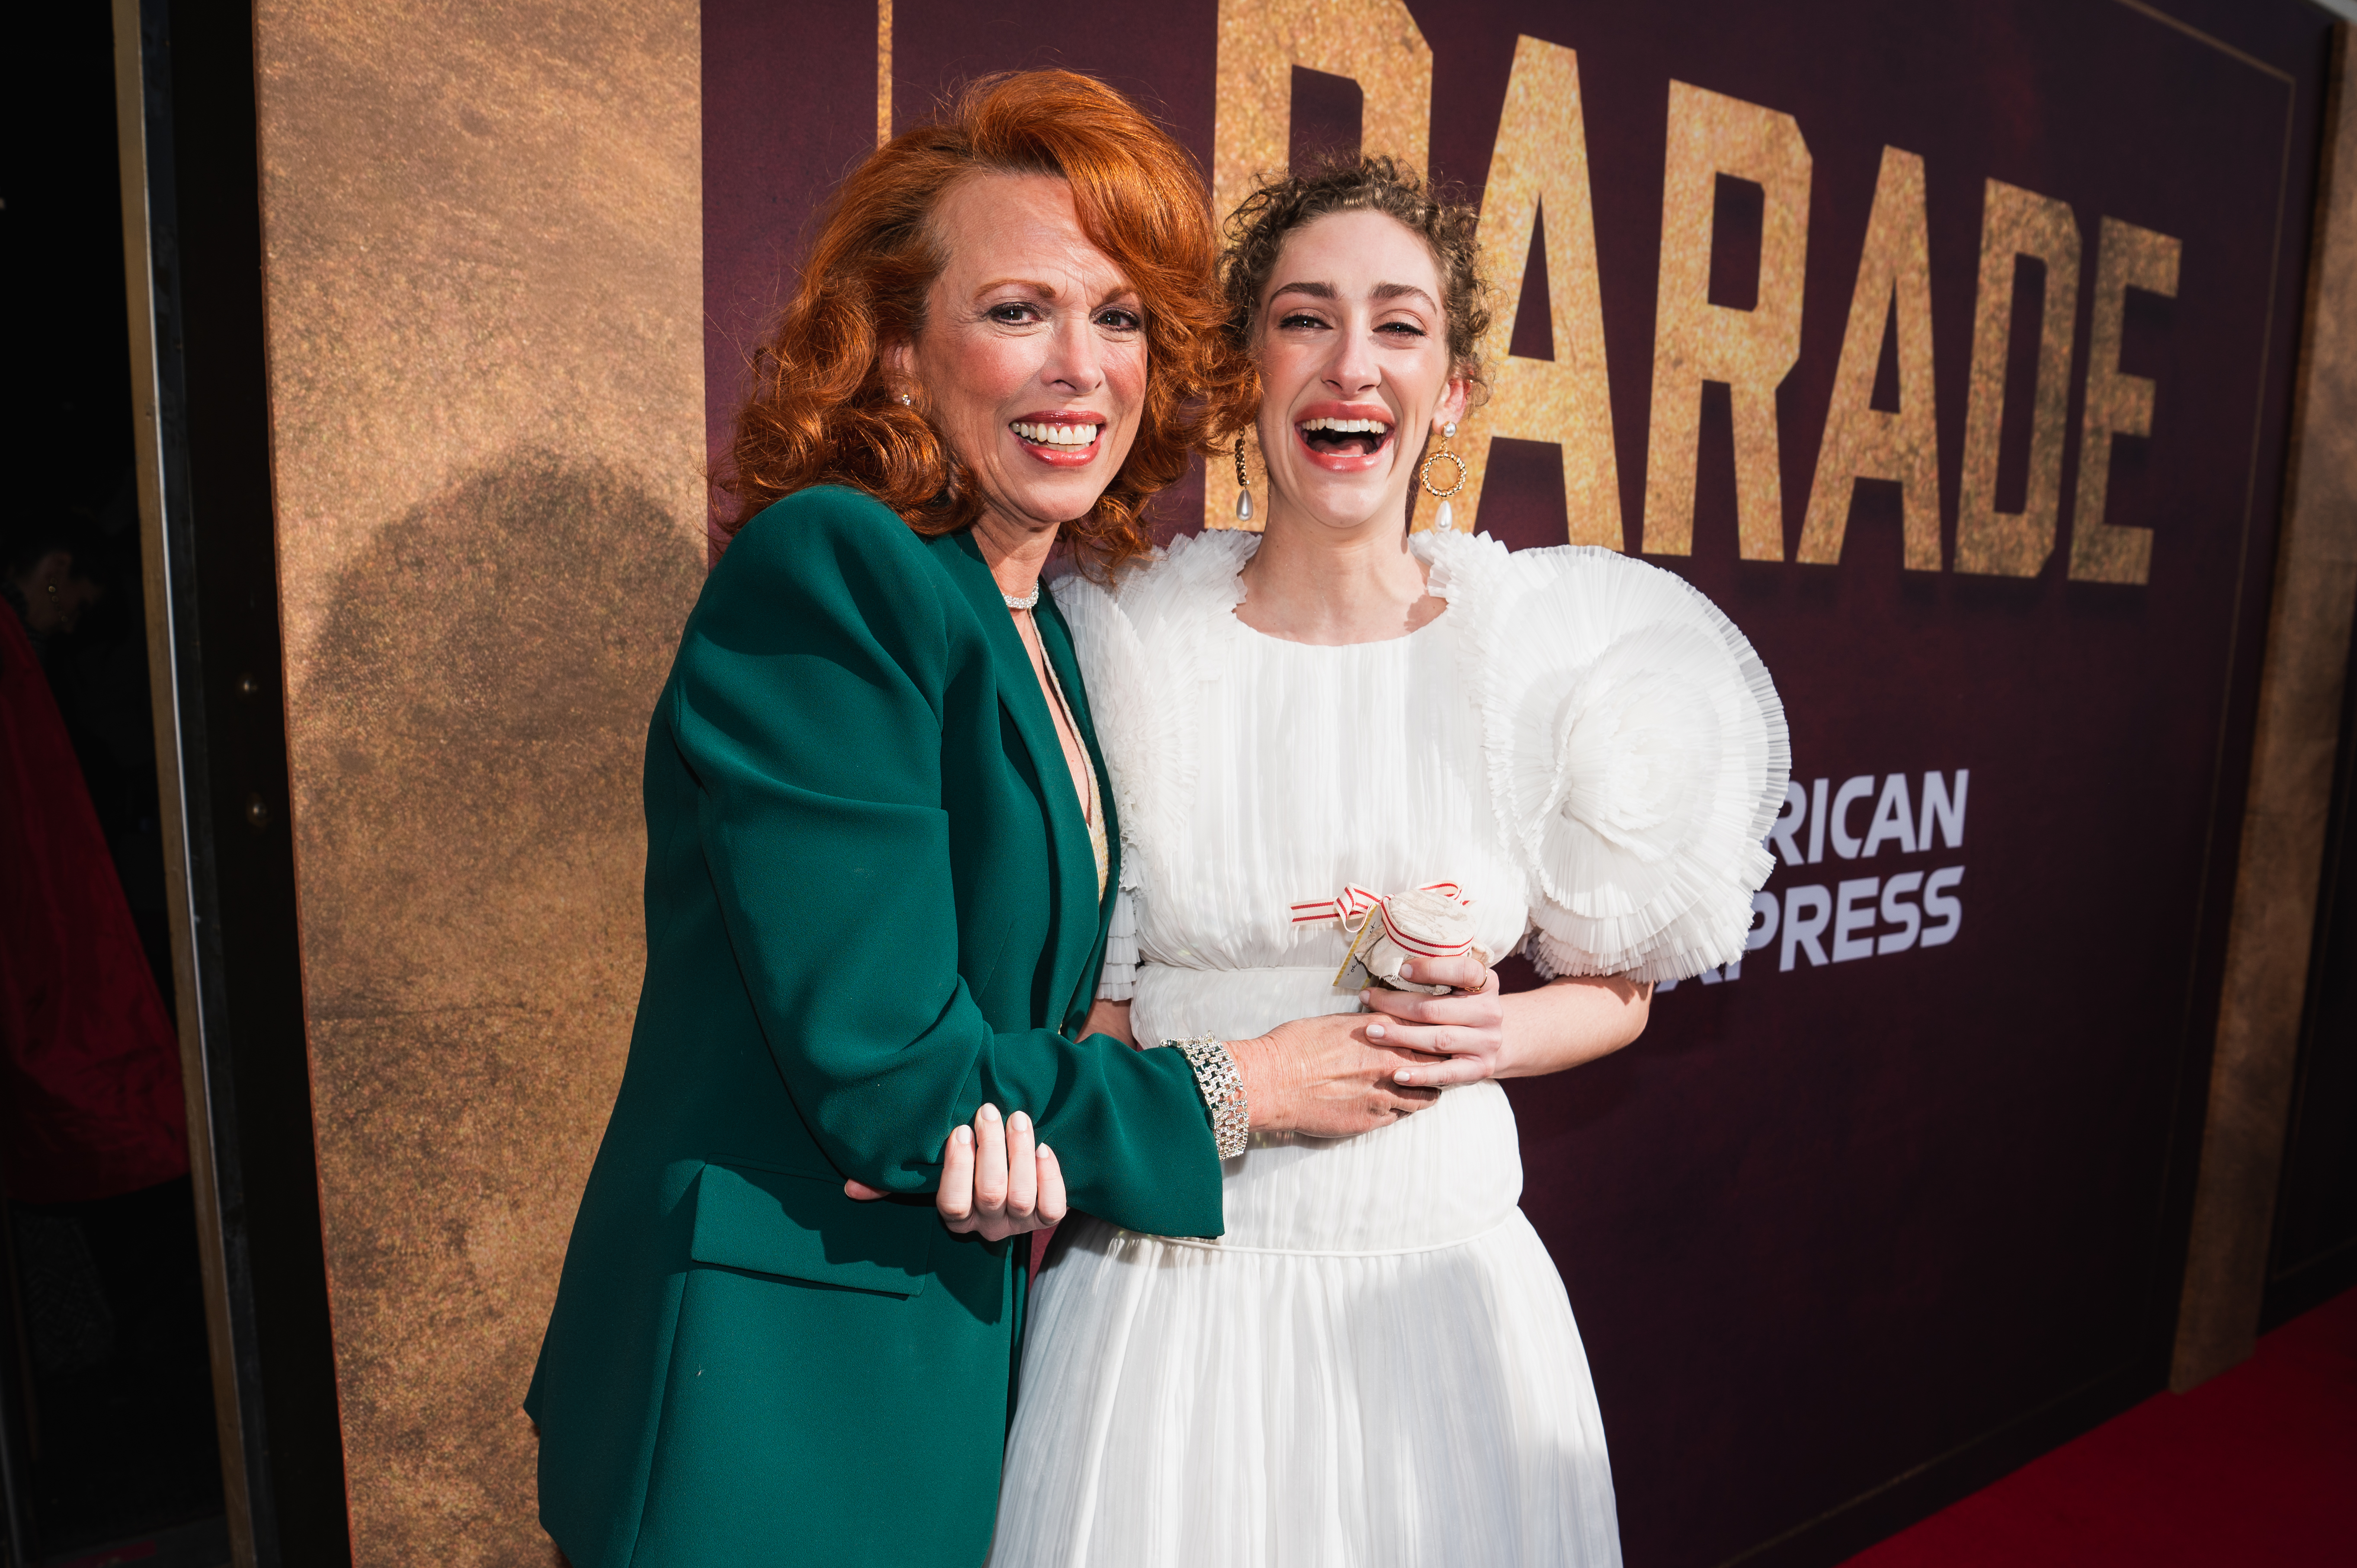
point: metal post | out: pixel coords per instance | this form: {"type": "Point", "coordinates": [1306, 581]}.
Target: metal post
{"type": "Point", "coordinates": [142, 108]}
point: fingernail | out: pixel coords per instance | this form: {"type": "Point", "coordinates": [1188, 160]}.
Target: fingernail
{"type": "Point", "coordinates": [1407, 971]}
{"type": "Point", "coordinates": [1020, 1122]}
{"type": "Point", "coordinates": [1366, 996]}
{"type": "Point", "coordinates": [1046, 1152]}
{"type": "Point", "coordinates": [1374, 1031]}
{"type": "Point", "coordinates": [990, 1112]}
{"type": "Point", "coordinates": [965, 1135]}
{"type": "Point", "coordinates": [1404, 1077]}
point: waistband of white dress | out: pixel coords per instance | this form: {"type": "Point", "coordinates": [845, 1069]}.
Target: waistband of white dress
{"type": "Point", "coordinates": [1210, 974]}
{"type": "Point", "coordinates": [1216, 1244]}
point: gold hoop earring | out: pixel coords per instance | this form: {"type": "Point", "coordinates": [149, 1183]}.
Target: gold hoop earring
{"type": "Point", "coordinates": [1244, 485]}
{"type": "Point", "coordinates": [1445, 521]}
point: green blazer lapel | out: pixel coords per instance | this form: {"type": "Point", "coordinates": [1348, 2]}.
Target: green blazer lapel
{"type": "Point", "coordinates": [1077, 906]}
{"type": "Point", "coordinates": [1056, 636]}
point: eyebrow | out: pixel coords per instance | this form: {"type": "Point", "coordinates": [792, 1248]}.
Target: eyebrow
{"type": "Point", "coordinates": [1382, 291]}
{"type": "Point", "coordinates": [1125, 290]}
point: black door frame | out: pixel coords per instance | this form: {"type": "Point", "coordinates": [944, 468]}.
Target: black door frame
{"type": "Point", "coordinates": [192, 251]}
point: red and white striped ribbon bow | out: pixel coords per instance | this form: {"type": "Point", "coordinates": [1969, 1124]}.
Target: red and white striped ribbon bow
{"type": "Point", "coordinates": [1354, 904]}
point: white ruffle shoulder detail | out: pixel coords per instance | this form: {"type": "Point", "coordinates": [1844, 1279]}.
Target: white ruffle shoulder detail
{"type": "Point", "coordinates": [1637, 750]}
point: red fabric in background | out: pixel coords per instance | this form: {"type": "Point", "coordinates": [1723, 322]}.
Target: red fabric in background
{"type": "Point", "coordinates": [2257, 1466]}
{"type": "Point", "coordinates": [90, 1068]}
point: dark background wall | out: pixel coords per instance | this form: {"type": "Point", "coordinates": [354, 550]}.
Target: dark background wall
{"type": "Point", "coordinates": [126, 1442]}
{"type": "Point", "coordinates": [1846, 1239]}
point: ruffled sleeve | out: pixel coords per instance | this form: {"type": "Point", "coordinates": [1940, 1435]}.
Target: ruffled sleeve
{"type": "Point", "coordinates": [1148, 655]}
{"type": "Point", "coordinates": [1637, 754]}
{"type": "Point", "coordinates": [1117, 982]}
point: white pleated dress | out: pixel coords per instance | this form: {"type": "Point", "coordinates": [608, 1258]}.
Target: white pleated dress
{"type": "Point", "coordinates": [1376, 1364]}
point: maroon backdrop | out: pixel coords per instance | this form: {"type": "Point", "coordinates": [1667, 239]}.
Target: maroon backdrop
{"type": "Point", "coordinates": [1849, 1238]}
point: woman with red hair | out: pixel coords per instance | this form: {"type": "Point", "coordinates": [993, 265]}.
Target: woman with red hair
{"type": "Point", "coordinates": [882, 862]}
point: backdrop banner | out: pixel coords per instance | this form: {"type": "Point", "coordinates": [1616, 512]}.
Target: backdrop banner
{"type": "Point", "coordinates": [1949, 347]}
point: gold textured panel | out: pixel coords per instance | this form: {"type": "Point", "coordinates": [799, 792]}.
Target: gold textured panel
{"type": "Point", "coordinates": [1863, 442]}
{"type": "Point", "coordinates": [1695, 341]}
{"type": "Point", "coordinates": [883, 71]}
{"type": "Point", "coordinates": [2279, 870]}
{"type": "Point", "coordinates": [2017, 223]}
{"type": "Point", "coordinates": [1376, 44]}
{"type": "Point", "coordinates": [2126, 257]}
{"type": "Point", "coordinates": [1540, 163]}
{"type": "Point", "coordinates": [484, 288]}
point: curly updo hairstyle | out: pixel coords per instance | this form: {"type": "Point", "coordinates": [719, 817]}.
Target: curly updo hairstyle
{"type": "Point", "coordinates": [819, 410]}
{"type": "Point", "coordinates": [1259, 227]}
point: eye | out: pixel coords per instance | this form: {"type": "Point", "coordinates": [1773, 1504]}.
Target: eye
{"type": "Point", "coordinates": [1402, 329]}
{"type": "Point", "coordinates": [1015, 312]}
{"type": "Point", "coordinates": [1296, 319]}
{"type": "Point", "coordinates": [1120, 319]}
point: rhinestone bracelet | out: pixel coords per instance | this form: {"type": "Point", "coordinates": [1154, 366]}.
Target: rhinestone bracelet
{"type": "Point", "coordinates": [1223, 1088]}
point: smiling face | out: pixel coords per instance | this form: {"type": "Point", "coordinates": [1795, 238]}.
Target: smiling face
{"type": "Point", "coordinates": [1355, 369]}
{"type": "Point", "coordinates": [1032, 361]}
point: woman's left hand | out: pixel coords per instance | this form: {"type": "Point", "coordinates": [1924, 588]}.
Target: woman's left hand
{"type": "Point", "coordinates": [995, 1181]}
{"type": "Point", "coordinates": [1466, 1027]}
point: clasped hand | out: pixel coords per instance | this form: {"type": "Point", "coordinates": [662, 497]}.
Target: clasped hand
{"type": "Point", "coordinates": [1465, 1028]}
{"type": "Point", "coordinates": [996, 1181]}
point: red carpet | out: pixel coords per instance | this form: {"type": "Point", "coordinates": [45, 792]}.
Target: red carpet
{"type": "Point", "coordinates": [2257, 1467]}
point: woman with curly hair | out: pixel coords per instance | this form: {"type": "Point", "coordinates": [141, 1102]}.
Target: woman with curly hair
{"type": "Point", "coordinates": [882, 862]}
{"type": "Point", "coordinates": [1355, 767]}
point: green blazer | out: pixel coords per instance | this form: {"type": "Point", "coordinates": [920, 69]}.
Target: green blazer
{"type": "Point", "coordinates": [871, 907]}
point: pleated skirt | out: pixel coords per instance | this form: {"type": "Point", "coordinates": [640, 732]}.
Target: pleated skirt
{"type": "Point", "coordinates": [1417, 1400]}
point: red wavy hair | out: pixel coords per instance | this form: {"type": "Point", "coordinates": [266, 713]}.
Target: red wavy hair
{"type": "Point", "coordinates": [819, 411]}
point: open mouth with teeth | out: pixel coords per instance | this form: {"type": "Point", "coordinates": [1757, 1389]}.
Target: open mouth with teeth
{"type": "Point", "coordinates": [1330, 437]}
{"type": "Point", "coordinates": [1059, 438]}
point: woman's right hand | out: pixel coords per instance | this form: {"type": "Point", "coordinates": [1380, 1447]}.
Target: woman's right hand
{"type": "Point", "coordinates": [996, 1182]}
{"type": "Point", "coordinates": [1325, 1077]}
